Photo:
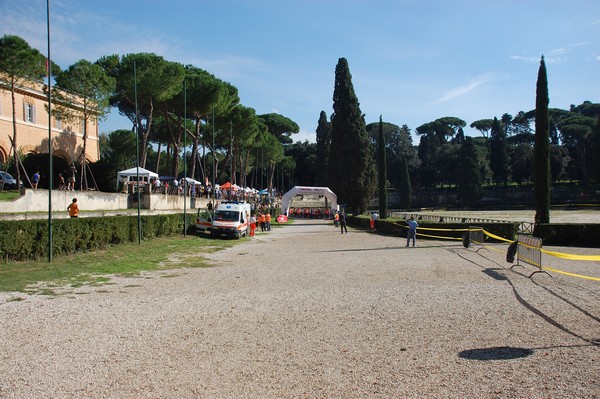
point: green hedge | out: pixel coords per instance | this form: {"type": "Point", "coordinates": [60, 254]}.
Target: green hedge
{"type": "Point", "coordinates": [564, 234]}
{"type": "Point", "coordinates": [394, 227]}
{"type": "Point", "coordinates": [28, 239]}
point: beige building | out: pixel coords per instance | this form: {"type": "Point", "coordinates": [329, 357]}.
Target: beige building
{"type": "Point", "coordinates": [31, 104]}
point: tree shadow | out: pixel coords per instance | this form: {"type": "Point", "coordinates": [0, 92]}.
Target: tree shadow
{"type": "Point", "coordinates": [495, 353]}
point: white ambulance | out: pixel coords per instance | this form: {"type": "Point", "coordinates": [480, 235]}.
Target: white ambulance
{"type": "Point", "coordinates": [231, 219]}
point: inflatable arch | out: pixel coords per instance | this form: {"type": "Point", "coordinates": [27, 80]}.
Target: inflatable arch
{"type": "Point", "coordinates": [299, 190]}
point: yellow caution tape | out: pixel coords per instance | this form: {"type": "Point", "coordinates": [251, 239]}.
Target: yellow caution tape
{"type": "Point", "coordinates": [445, 238]}
{"type": "Point", "coordinates": [571, 274]}
{"type": "Point", "coordinates": [487, 233]}
{"type": "Point", "coordinates": [572, 256]}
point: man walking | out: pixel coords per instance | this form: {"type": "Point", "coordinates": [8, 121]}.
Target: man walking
{"type": "Point", "coordinates": [412, 231]}
{"type": "Point", "coordinates": [343, 222]}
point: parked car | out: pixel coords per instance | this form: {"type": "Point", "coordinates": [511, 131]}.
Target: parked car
{"type": "Point", "coordinates": [7, 181]}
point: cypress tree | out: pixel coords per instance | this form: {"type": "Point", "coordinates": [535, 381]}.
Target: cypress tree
{"type": "Point", "coordinates": [351, 165]}
{"type": "Point", "coordinates": [499, 153]}
{"type": "Point", "coordinates": [541, 148]}
{"type": "Point", "coordinates": [404, 186]}
{"type": "Point", "coordinates": [469, 182]}
{"type": "Point", "coordinates": [382, 172]}
{"type": "Point", "coordinates": [323, 145]}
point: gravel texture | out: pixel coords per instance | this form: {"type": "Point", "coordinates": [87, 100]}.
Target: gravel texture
{"type": "Point", "coordinates": [306, 312]}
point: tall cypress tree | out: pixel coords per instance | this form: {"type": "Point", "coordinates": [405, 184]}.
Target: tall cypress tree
{"type": "Point", "coordinates": [469, 182]}
{"type": "Point", "coordinates": [542, 177]}
{"type": "Point", "coordinates": [382, 171]}
{"type": "Point", "coordinates": [499, 153]}
{"type": "Point", "coordinates": [404, 185]}
{"type": "Point", "coordinates": [323, 145]}
{"type": "Point", "coordinates": [351, 165]}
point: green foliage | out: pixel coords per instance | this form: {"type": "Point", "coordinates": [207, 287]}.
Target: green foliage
{"type": "Point", "coordinates": [382, 171]}
{"type": "Point", "coordinates": [28, 239]}
{"type": "Point", "coordinates": [323, 149]}
{"type": "Point", "coordinates": [469, 179]}
{"type": "Point", "coordinates": [499, 153]}
{"type": "Point", "coordinates": [404, 186]}
{"type": "Point", "coordinates": [351, 156]}
{"type": "Point", "coordinates": [576, 235]}
{"type": "Point", "coordinates": [280, 126]}
{"type": "Point", "coordinates": [542, 176]}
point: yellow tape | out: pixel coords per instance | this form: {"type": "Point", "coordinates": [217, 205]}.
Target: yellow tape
{"type": "Point", "coordinates": [445, 238]}
{"type": "Point", "coordinates": [572, 256]}
{"type": "Point", "coordinates": [428, 228]}
{"type": "Point", "coordinates": [572, 274]}
{"type": "Point", "coordinates": [487, 233]}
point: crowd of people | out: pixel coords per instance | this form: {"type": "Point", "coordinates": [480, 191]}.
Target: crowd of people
{"type": "Point", "coordinates": [311, 213]}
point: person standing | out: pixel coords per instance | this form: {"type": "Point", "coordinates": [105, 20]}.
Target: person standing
{"type": "Point", "coordinates": [35, 180]}
{"type": "Point", "coordinates": [61, 182]}
{"type": "Point", "coordinates": [252, 225]}
{"type": "Point", "coordinates": [336, 219]}
{"type": "Point", "coordinates": [343, 223]}
{"type": "Point", "coordinates": [73, 209]}
{"type": "Point", "coordinates": [71, 178]}
{"type": "Point", "coordinates": [412, 231]}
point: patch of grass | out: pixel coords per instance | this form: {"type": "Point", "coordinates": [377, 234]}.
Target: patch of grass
{"type": "Point", "coordinates": [95, 268]}
{"type": "Point", "coordinates": [8, 195]}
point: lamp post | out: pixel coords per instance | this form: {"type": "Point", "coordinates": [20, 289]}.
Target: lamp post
{"type": "Point", "coordinates": [185, 182]}
{"type": "Point", "coordinates": [49, 72]}
{"type": "Point", "coordinates": [213, 156]}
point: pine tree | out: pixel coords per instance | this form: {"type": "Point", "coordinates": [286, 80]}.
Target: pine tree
{"type": "Point", "coordinates": [323, 145]}
{"type": "Point", "coordinates": [351, 156]}
{"type": "Point", "coordinates": [382, 171]}
{"type": "Point", "coordinates": [542, 177]}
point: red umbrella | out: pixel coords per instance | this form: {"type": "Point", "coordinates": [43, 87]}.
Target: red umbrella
{"type": "Point", "coordinates": [282, 219]}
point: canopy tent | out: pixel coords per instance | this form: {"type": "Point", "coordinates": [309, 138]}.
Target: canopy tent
{"type": "Point", "coordinates": [130, 176]}
{"type": "Point", "coordinates": [301, 190]}
{"type": "Point", "coordinates": [192, 181]}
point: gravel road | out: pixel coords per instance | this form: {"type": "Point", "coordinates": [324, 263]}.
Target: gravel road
{"type": "Point", "coordinates": [306, 312]}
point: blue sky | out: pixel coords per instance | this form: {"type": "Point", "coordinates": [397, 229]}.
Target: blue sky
{"type": "Point", "coordinates": [412, 61]}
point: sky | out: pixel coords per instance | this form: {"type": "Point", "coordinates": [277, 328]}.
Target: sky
{"type": "Point", "coordinates": [412, 61]}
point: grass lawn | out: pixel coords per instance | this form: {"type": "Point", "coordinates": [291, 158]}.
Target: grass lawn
{"type": "Point", "coordinates": [8, 195]}
{"type": "Point", "coordinates": [95, 268]}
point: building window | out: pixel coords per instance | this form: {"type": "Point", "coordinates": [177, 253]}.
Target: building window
{"type": "Point", "coordinates": [58, 121]}
{"type": "Point", "coordinates": [29, 112]}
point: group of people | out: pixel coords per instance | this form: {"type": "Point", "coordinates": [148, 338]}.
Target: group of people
{"type": "Point", "coordinates": [311, 213]}
{"type": "Point", "coordinates": [339, 219]}
{"type": "Point", "coordinates": [70, 183]}
{"type": "Point", "coordinates": [260, 219]}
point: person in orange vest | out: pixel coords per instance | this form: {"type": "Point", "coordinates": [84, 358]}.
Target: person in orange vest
{"type": "Point", "coordinates": [336, 219]}
{"type": "Point", "coordinates": [268, 221]}
{"type": "Point", "coordinates": [262, 219]}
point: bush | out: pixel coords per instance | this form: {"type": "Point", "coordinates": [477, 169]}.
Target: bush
{"type": "Point", "coordinates": [28, 239]}
{"type": "Point", "coordinates": [564, 234]}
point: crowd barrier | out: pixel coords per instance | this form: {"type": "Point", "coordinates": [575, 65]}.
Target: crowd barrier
{"type": "Point", "coordinates": [529, 248]}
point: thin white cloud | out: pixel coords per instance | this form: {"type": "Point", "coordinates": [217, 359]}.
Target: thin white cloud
{"type": "Point", "coordinates": [462, 90]}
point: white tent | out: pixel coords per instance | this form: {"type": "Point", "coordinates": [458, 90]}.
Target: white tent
{"type": "Point", "coordinates": [130, 175]}
{"type": "Point", "coordinates": [300, 190]}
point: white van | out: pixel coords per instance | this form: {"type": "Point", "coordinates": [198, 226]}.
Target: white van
{"type": "Point", "coordinates": [231, 219]}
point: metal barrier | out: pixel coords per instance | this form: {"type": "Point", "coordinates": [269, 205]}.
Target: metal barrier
{"type": "Point", "coordinates": [476, 236]}
{"type": "Point", "coordinates": [524, 227]}
{"type": "Point", "coordinates": [529, 250]}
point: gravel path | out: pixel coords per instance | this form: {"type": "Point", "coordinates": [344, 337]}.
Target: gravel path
{"type": "Point", "coordinates": [306, 312]}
